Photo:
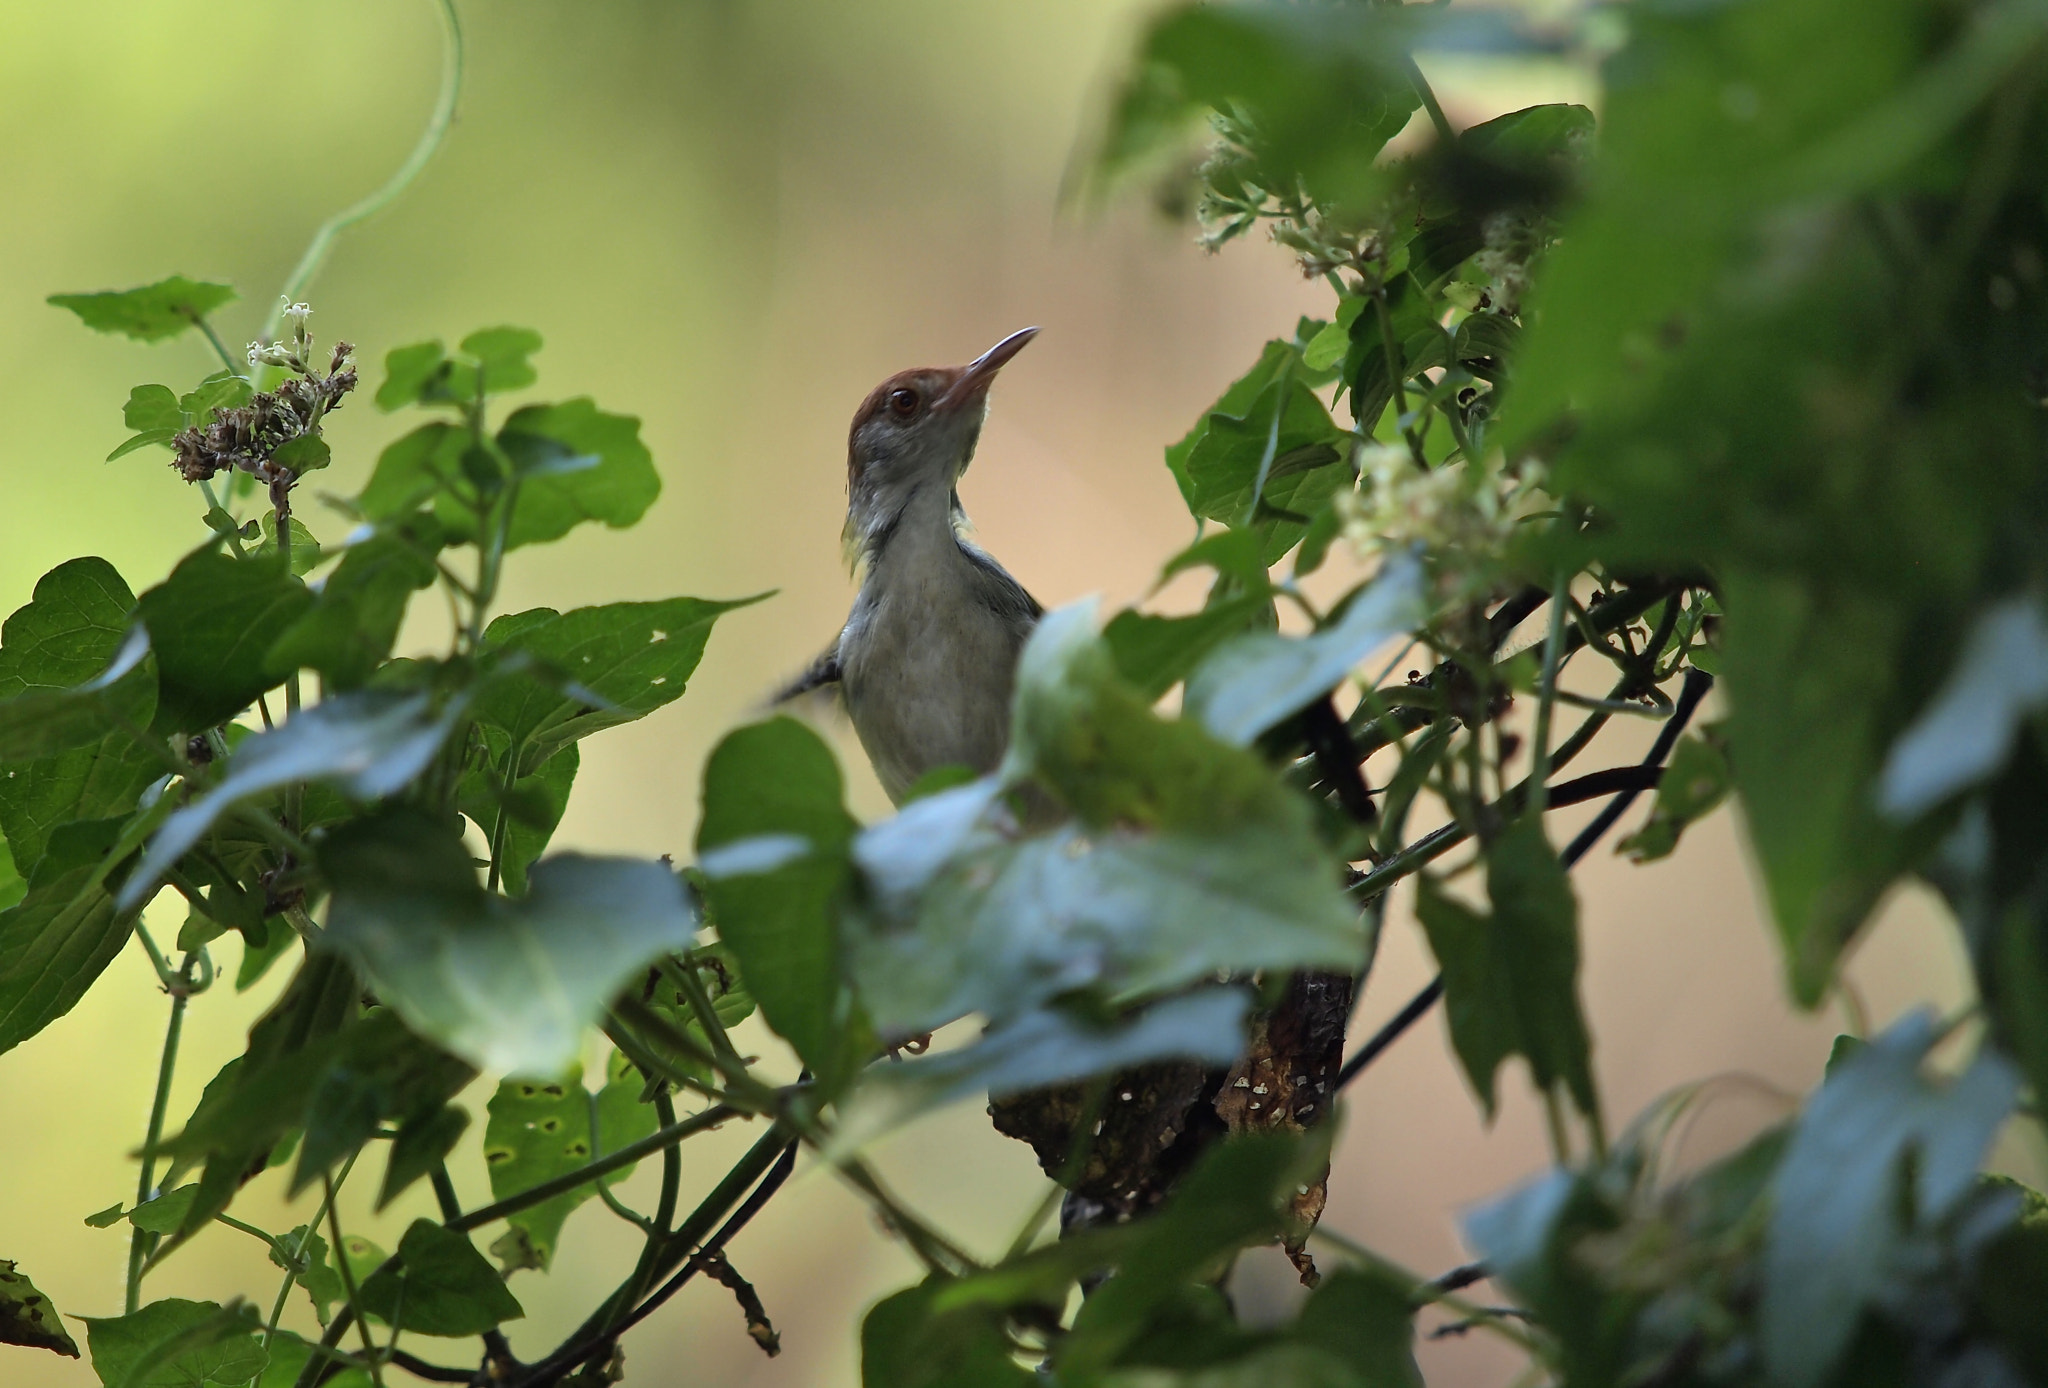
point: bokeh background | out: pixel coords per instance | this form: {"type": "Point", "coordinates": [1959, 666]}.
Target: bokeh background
{"type": "Point", "coordinates": [730, 218]}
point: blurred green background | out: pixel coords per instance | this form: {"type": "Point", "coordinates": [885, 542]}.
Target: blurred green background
{"type": "Point", "coordinates": [730, 218]}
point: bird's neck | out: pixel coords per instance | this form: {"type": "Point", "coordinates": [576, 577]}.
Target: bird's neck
{"type": "Point", "coordinates": [910, 538]}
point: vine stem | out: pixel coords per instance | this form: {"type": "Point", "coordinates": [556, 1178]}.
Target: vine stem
{"type": "Point", "coordinates": [167, 1064]}
{"type": "Point", "coordinates": [1546, 704]}
{"type": "Point", "coordinates": [429, 142]}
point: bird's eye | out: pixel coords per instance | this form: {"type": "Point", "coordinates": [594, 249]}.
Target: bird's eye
{"type": "Point", "coordinates": [903, 403]}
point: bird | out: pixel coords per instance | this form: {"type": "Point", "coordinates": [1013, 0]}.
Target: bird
{"type": "Point", "coordinates": [927, 659]}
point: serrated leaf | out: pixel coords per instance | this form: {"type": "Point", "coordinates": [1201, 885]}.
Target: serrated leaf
{"type": "Point", "coordinates": [777, 783]}
{"type": "Point", "coordinates": [1511, 978]}
{"type": "Point", "coordinates": [370, 743]}
{"type": "Point", "coordinates": [149, 313]}
{"type": "Point", "coordinates": [444, 1286]}
{"type": "Point", "coordinates": [509, 986]}
{"type": "Point", "coordinates": [210, 625]}
{"type": "Point", "coordinates": [176, 1343]}
{"type": "Point", "coordinates": [1261, 678]}
{"type": "Point", "coordinates": [540, 1129]}
{"type": "Point", "coordinates": [27, 1317]}
{"type": "Point", "coordinates": [635, 656]}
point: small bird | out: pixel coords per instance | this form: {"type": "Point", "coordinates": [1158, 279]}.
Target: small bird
{"type": "Point", "coordinates": [928, 656]}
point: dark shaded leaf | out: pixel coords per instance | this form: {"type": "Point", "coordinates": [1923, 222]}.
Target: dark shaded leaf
{"type": "Point", "coordinates": [175, 1343]}
{"type": "Point", "coordinates": [66, 930]}
{"type": "Point", "coordinates": [355, 617]}
{"type": "Point", "coordinates": [210, 625]}
{"type": "Point", "coordinates": [617, 491]}
{"type": "Point", "coordinates": [374, 1070]}
{"type": "Point", "coordinates": [532, 806]}
{"type": "Point", "coordinates": [27, 1317]}
{"type": "Point", "coordinates": [423, 1143]}
{"type": "Point", "coordinates": [444, 1286]}
{"type": "Point", "coordinates": [1962, 738]}
{"type": "Point", "coordinates": [412, 470]}
{"type": "Point", "coordinates": [1153, 654]}
{"type": "Point", "coordinates": [903, 1344]}
{"type": "Point", "coordinates": [288, 1356]}
{"type": "Point", "coordinates": [151, 312]}
{"type": "Point", "coordinates": [1695, 781]}
{"type": "Point", "coordinates": [507, 985]}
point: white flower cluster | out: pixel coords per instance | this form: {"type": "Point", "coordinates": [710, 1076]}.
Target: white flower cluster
{"type": "Point", "coordinates": [1454, 509]}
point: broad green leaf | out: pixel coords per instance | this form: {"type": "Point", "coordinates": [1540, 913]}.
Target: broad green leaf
{"type": "Point", "coordinates": [1695, 781]}
{"type": "Point", "coordinates": [1365, 1320]}
{"type": "Point", "coordinates": [406, 373]}
{"type": "Point", "coordinates": [370, 743]}
{"type": "Point", "coordinates": [123, 449]}
{"type": "Point", "coordinates": [1876, 1128]}
{"type": "Point", "coordinates": [27, 1317]}
{"type": "Point", "coordinates": [166, 1213]}
{"type": "Point", "coordinates": [540, 1129]}
{"type": "Point", "coordinates": [1153, 654]}
{"type": "Point", "coordinates": [1225, 465]}
{"type": "Point", "coordinates": [501, 357]}
{"type": "Point", "coordinates": [423, 1143]}
{"type": "Point", "coordinates": [175, 1343]}
{"type": "Point", "coordinates": [65, 931]}
{"type": "Point", "coordinates": [1237, 557]}
{"type": "Point", "coordinates": [1262, 678]}
{"type": "Point", "coordinates": [1234, 403]}
{"type": "Point", "coordinates": [354, 620]}
{"type": "Point", "coordinates": [67, 665]}
{"type": "Point", "coordinates": [443, 1287]}
{"type": "Point", "coordinates": [2000, 679]}
{"type": "Point", "coordinates": [151, 312]}
{"type": "Point", "coordinates": [1511, 978]}
{"type": "Point", "coordinates": [1043, 1047]}
{"type": "Point", "coordinates": [288, 1356]}
{"type": "Point", "coordinates": [905, 1344]}
{"type": "Point", "coordinates": [508, 985]}
{"type": "Point", "coordinates": [12, 887]}
{"type": "Point", "coordinates": [617, 491]}
{"type": "Point", "coordinates": [100, 781]}
{"type": "Point", "coordinates": [412, 470]}
{"type": "Point", "coordinates": [1187, 858]}
{"type": "Point", "coordinates": [633, 656]}
{"type": "Point", "coordinates": [210, 625]}
{"type": "Point", "coordinates": [153, 408]}
{"type": "Point", "coordinates": [304, 454]}
{"type": "Point", "coordinates": [772, 843]}
{"type": "Point", "coordinates": [306, 553]}
{"type": "Point", "coordinates": [222, 390]}
{"type": "Point", "coordinates": [531, 808]}
{"type": "Point", "coordinates": [45, 723]}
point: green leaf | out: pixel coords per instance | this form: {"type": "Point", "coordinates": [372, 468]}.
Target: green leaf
{"type": "Point", "coordinates": [1262, 678]}
{"type": "Point", "coordinates": [444, 1286]}
{"type": "Point", "coordinates": [1042, 1047]}
{"type": "Point", "coordinates": [222, 390]}
{"type": "Point", "coordinates": [304, 454]}
{"type": "Point", "coordinates": [407, 371]}
{"type": "Point", "coordinates": [374, 1070]}
{"type": "Point", "coordinates": [1223, 460]}
{"type": "Point", "coordinates": [1511, 979]}
{"type": "Point", "coordinates": [1187, 858]}
{"type": "Point", "coordinates": [150, 313]}
{"type": "Point", "coordinates": [65, 931]}
{"type": "Point", "coordinates": [355, 617]}
{"type": "Point", "coordinates": [210, 625]}
{"type": "Point", "coordinates": [288, 1356]}
{"type": "Point", "coordinates": [412, 470]}
{"type": "Point", "coordinates": [1366, 1320]}
{"type": "Point", "coordinates": [1237, 1195]}
{"type": "Point", "coordinates": [163, 436]}
{"type": "Point", "coordinates": [772, 843]}
{"type": "Point", "coordinates": [617, 491]}
{"type": "Point", "coordinates": [27, 1317]}
{"type": "Point", "coordinates": [508, 985]}
{"type": "Point", "coordinates": [532, 807]}
{"type": "Point", "coordinates": [423, 1143]}
{"type": "Point", "coordinates": [1963, 737]}
{"type": "Point", "coordinates": [371, 743]}
{"type": "Point", "coordinates": [306, 554]}
{"type": "Point", "coordinates": [904, 1344]}
{"type": "Point", "coordinates": [501, 357]}
{"type": "Point", "coordinates": [1153, 654]}
{"type": "Point", "coordinates": [67, 665]}
{"type": "Point", "coordinates": [175, 1343]}
{"type": "Point", "coordinates": [166, 1213]}
{"type": "Point", "coordinates": [633, 656]}
{"type": "Point", "coordinates": [541, 1129]}
{"type": "Point", "coordinates": [153, 408]}
{"type": "Point", "coordinates": [1836, 1211]}
{"type": "Point", "coordinates": [1695, 781]}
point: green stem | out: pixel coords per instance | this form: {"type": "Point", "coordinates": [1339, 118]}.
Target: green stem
{"type": "Point", "coordinates": [1284, 380]}
{"type": "Point", "coordinates": [348, 1286]}
{"type": "Point", "coordinates": [1429, 101]}
{"type": "Point", "coordinates": [234, 367]}
{"type": "Point", "coordinates": [430, 140]}
{"type": "Point", "coordinates": [604, 1193]}
{"type": "Point", "coordinates": [686, 978]}
{"type": "Point", "coordinates": [583, 1175]}
{"type": "Point", "coordinates": [1397, 376]}
{"type": "Point", "coordinates": [299, 1248]}
{"type": "Point", "coordinates": [139, 1242]}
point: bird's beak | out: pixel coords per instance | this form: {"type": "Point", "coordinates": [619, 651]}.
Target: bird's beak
{"type": "Point", "coordinates": [975, 379]}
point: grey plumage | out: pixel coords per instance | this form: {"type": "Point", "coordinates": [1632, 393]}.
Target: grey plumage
{"type": "Point", "coordinates": [927, 659]}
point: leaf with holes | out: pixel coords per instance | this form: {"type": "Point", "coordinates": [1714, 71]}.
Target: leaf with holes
{"type": "Point", "coordinates": [27, 1317]}
{"type": "Point", "coordinates": [540, 1129]}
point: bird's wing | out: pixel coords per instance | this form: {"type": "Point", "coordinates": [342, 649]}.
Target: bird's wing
{"type": "Point", "coordinates": [824, 671]}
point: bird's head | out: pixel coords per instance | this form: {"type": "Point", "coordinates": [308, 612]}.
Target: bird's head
{"type": "Point", "coordinates": [917, 429]}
